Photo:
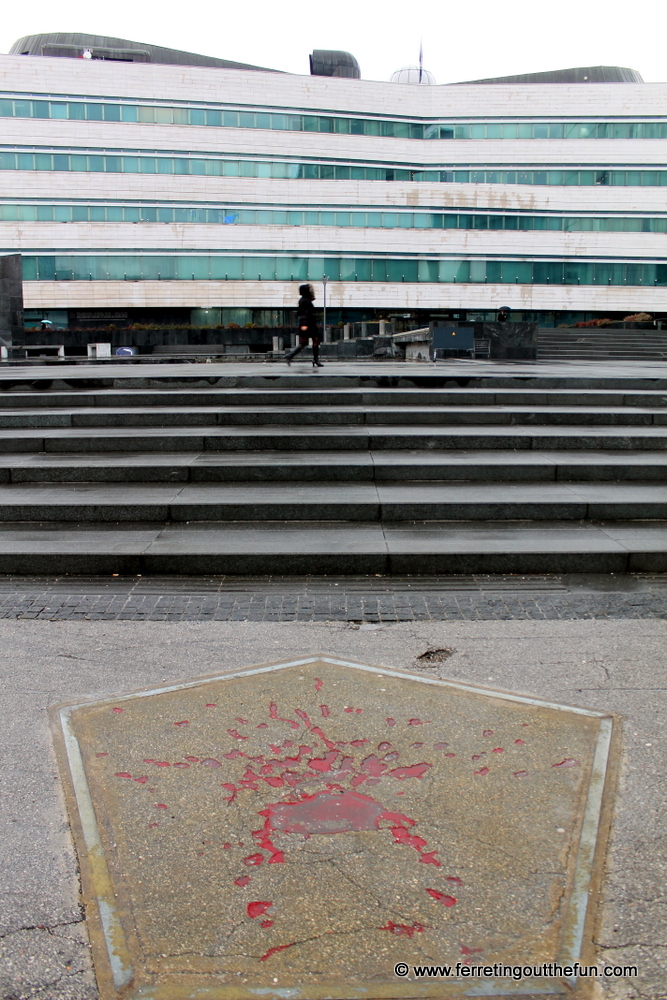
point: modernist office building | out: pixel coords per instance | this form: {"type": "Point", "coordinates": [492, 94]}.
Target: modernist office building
{"type": "Point", "coordinates": [148, 184]}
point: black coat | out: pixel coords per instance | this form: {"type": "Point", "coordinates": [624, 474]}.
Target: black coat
{"type": "Point", "coordinates": [306, 311]}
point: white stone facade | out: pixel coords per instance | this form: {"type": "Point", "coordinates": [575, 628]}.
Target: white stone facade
{"type": "Point", "coordinates": [78, 80]}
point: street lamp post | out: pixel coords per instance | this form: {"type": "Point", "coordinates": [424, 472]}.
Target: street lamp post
{"type": "Point", "coordinates": [324, 307]}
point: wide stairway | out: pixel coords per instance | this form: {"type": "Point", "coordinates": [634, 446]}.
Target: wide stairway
{"type": "Point", "coordinates": [588, 344]}
{"type": "Point", "coordinates": [330, 474]}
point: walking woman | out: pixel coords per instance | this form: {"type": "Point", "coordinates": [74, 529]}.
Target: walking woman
{"type": "Point", "coordinates": [307, 327]}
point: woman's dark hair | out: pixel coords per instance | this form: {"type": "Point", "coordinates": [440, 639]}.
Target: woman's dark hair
{"type": "Point", "coordinates": [307, 290]}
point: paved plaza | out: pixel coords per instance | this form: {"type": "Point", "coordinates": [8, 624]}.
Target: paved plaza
{"type": "Point", "coordinates": [606, 666]}
{"type": "Point", "coordinates": [444, 554]}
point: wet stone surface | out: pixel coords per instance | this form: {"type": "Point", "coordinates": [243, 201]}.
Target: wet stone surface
{"type": "Point", "coordinates": [306, 827]}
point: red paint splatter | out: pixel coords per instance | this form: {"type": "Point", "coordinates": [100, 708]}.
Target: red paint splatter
{"type": "Point", "coordinates": [348, 709]}
{"type": "Point", "coordinates": [415, 746]}
{"type": "Point", "coordinates": [193, 760]}
{"type": "Point", "coordinates": [211, 704]}
{"type": "Point", "coordinates": [244, 722]}
{"type": "Point", "coordinates": [324, 709]}
{"type": "Point", "coordinates": [483, 771]}
{"type": "Point", "coordinates": [243, 880]}
{"type": "Point", "coordinates": [262, 725]}
{"type": "Point", "coordinates": [258, 908]}
{"type": "Point", "coordinates": [403, 836]}
{"type": "Point", "coordinates": [230, 788]}
{"type": "Point", "coordinates": [414, 771]}
{"type": "Point", "coordinates": [454, 879]}
{"type": "Point", "coordinates": [273, 714]}
{"type": "Point", "coordinates": [266, 923]}
{"type": "Point", "coordinates": [520, 742]}
{"type": "Point", "coordinates": [384, 746]}
{"type": "Point", "coordinates": [488, 732]}
{"type": "Point", "coordinates": [180, 764]}
{"type": "Point", "coordinates": [142, 780]}
{"type": "Point", "coordinates": [122, 774]}
{"type": "Point", "coordinates": [185, 722]}
{"type": "Point", "coordinates": [211, 762]}
{"type": "Point", "coordinates": [415, 722]}
{"type": "Point", "coordinates": [325, 763]}
{"type": "Point", "coordinates": [160, 805]}
{"type": "Point", "coordinates": [391, 722]}
{"type": "Point", "coordinates": [226, 847]}
{"type": "Point", "coordinates": [478, 756]}
{"type": "Point", "coordinates": [521, 774]}
{"type": "Point", "coordinates": [236, 734]}
{"type": "Point", "coordinates": [402, 930]}
{"type": "Point", "coordinates": [442, 897]}
{"type": "Point", "coordinates": [161, 763]}
{"type": "Point", "coordinates": [471, 951]}
{"type": "Point", "coordinates": [568, 762]}
{"type": "Point", "coordinates": [151, 826]}
{"type": "Point", "coordinates": [304, 717]}
{"type": "Point", "coordinates": [358, 711]}
{"type": "Point", "coordinates": [358, 743]}
{"type": "Point", "coordinates": [118, 710]}
{"type": "Point", "coordinates": [253, 859]}
{"type": "Point", "coordinates": [440, 746]}
{"type": "Point", "coordinates": [497, 750]}
{"type": "Point", "coordinates": [273, 951]}
{"type": "Point", "coordinates": [450, 755]}
{"type": "Point", "coordinates": [430, 858]}
{"type": "Point", "coordinates": [318, 684]}
{"type": "Point", "coordinates": [101, 754]}
{"type": "Point", "coordinates": [316, 731]}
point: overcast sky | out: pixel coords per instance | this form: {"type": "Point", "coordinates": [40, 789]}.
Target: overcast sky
{"type": "Point", "coordinates": [462, 41]}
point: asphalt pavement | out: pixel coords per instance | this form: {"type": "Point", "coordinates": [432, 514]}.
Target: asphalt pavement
{"type": "Point", "coordinates": [611, 665]}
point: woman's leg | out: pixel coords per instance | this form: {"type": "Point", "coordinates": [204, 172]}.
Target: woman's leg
{"type": "Point", "coordinates": [303, 342]}
{"type": "Point", "coordinates": [316, 352]}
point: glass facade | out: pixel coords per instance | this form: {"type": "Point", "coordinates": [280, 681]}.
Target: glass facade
{"type": "Point", "coordinates": [211, 165]}
{"type": "Point", "coordinates": [353, 217]}
{"type": "Point", "coordinates": [272, 267]}
{"type": "Point", "coordinates": [221, 116]}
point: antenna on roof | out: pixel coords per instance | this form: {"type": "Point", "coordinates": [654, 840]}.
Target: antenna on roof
{"type": "Point", "coordinates": [421, 59]}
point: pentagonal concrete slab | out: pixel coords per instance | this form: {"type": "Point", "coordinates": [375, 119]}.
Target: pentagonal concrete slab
{"type": "Point", "coordinates": [297, 830]}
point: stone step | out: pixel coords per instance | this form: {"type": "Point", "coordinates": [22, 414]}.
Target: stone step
{"type": "Point", "coordinates": [222, 416]}
{"type": "Point", "coordinates": [336, 466]}
{"type": "Point", "coordinates": [483, 375]}
{"type": "Point", "coordinates": [366, 397]}
{"type": "Point", "coordinates": [342, 438]}
{"type": "Point", "coordinates": [336, 548]}
{"type": "Point", "coordinates": [348, 501]}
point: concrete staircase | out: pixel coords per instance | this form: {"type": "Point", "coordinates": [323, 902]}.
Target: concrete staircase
{"type": "Point", "coordinates": [601, 344]}
{"type": "Point", "coordinates": [332, 475]}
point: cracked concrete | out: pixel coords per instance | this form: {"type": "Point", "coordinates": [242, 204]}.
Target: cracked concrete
{"type": "Point", "coordinates": [616, 666]}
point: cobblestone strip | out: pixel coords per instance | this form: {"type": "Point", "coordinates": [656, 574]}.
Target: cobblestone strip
{"type": "Point", "coordinates": [341, 607]}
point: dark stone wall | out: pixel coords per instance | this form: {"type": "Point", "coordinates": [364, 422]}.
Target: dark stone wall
{"type": "Point", "coordinates": [11, 299]}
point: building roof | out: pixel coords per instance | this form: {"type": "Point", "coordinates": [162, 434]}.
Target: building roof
{"type": "Point", "coordinates": [73, 44]}
{"type": "Point", "coordinates": [579, 74]}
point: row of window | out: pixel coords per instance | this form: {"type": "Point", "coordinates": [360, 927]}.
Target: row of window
{"type": "Point", "coordinates": [162, 115]}
{"type": "Point", "coordinates": [212, 166]}
{"type": "Point", "coordinates": [275, 268]}
{"type": "Point", "coordinates": [366, 220]}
